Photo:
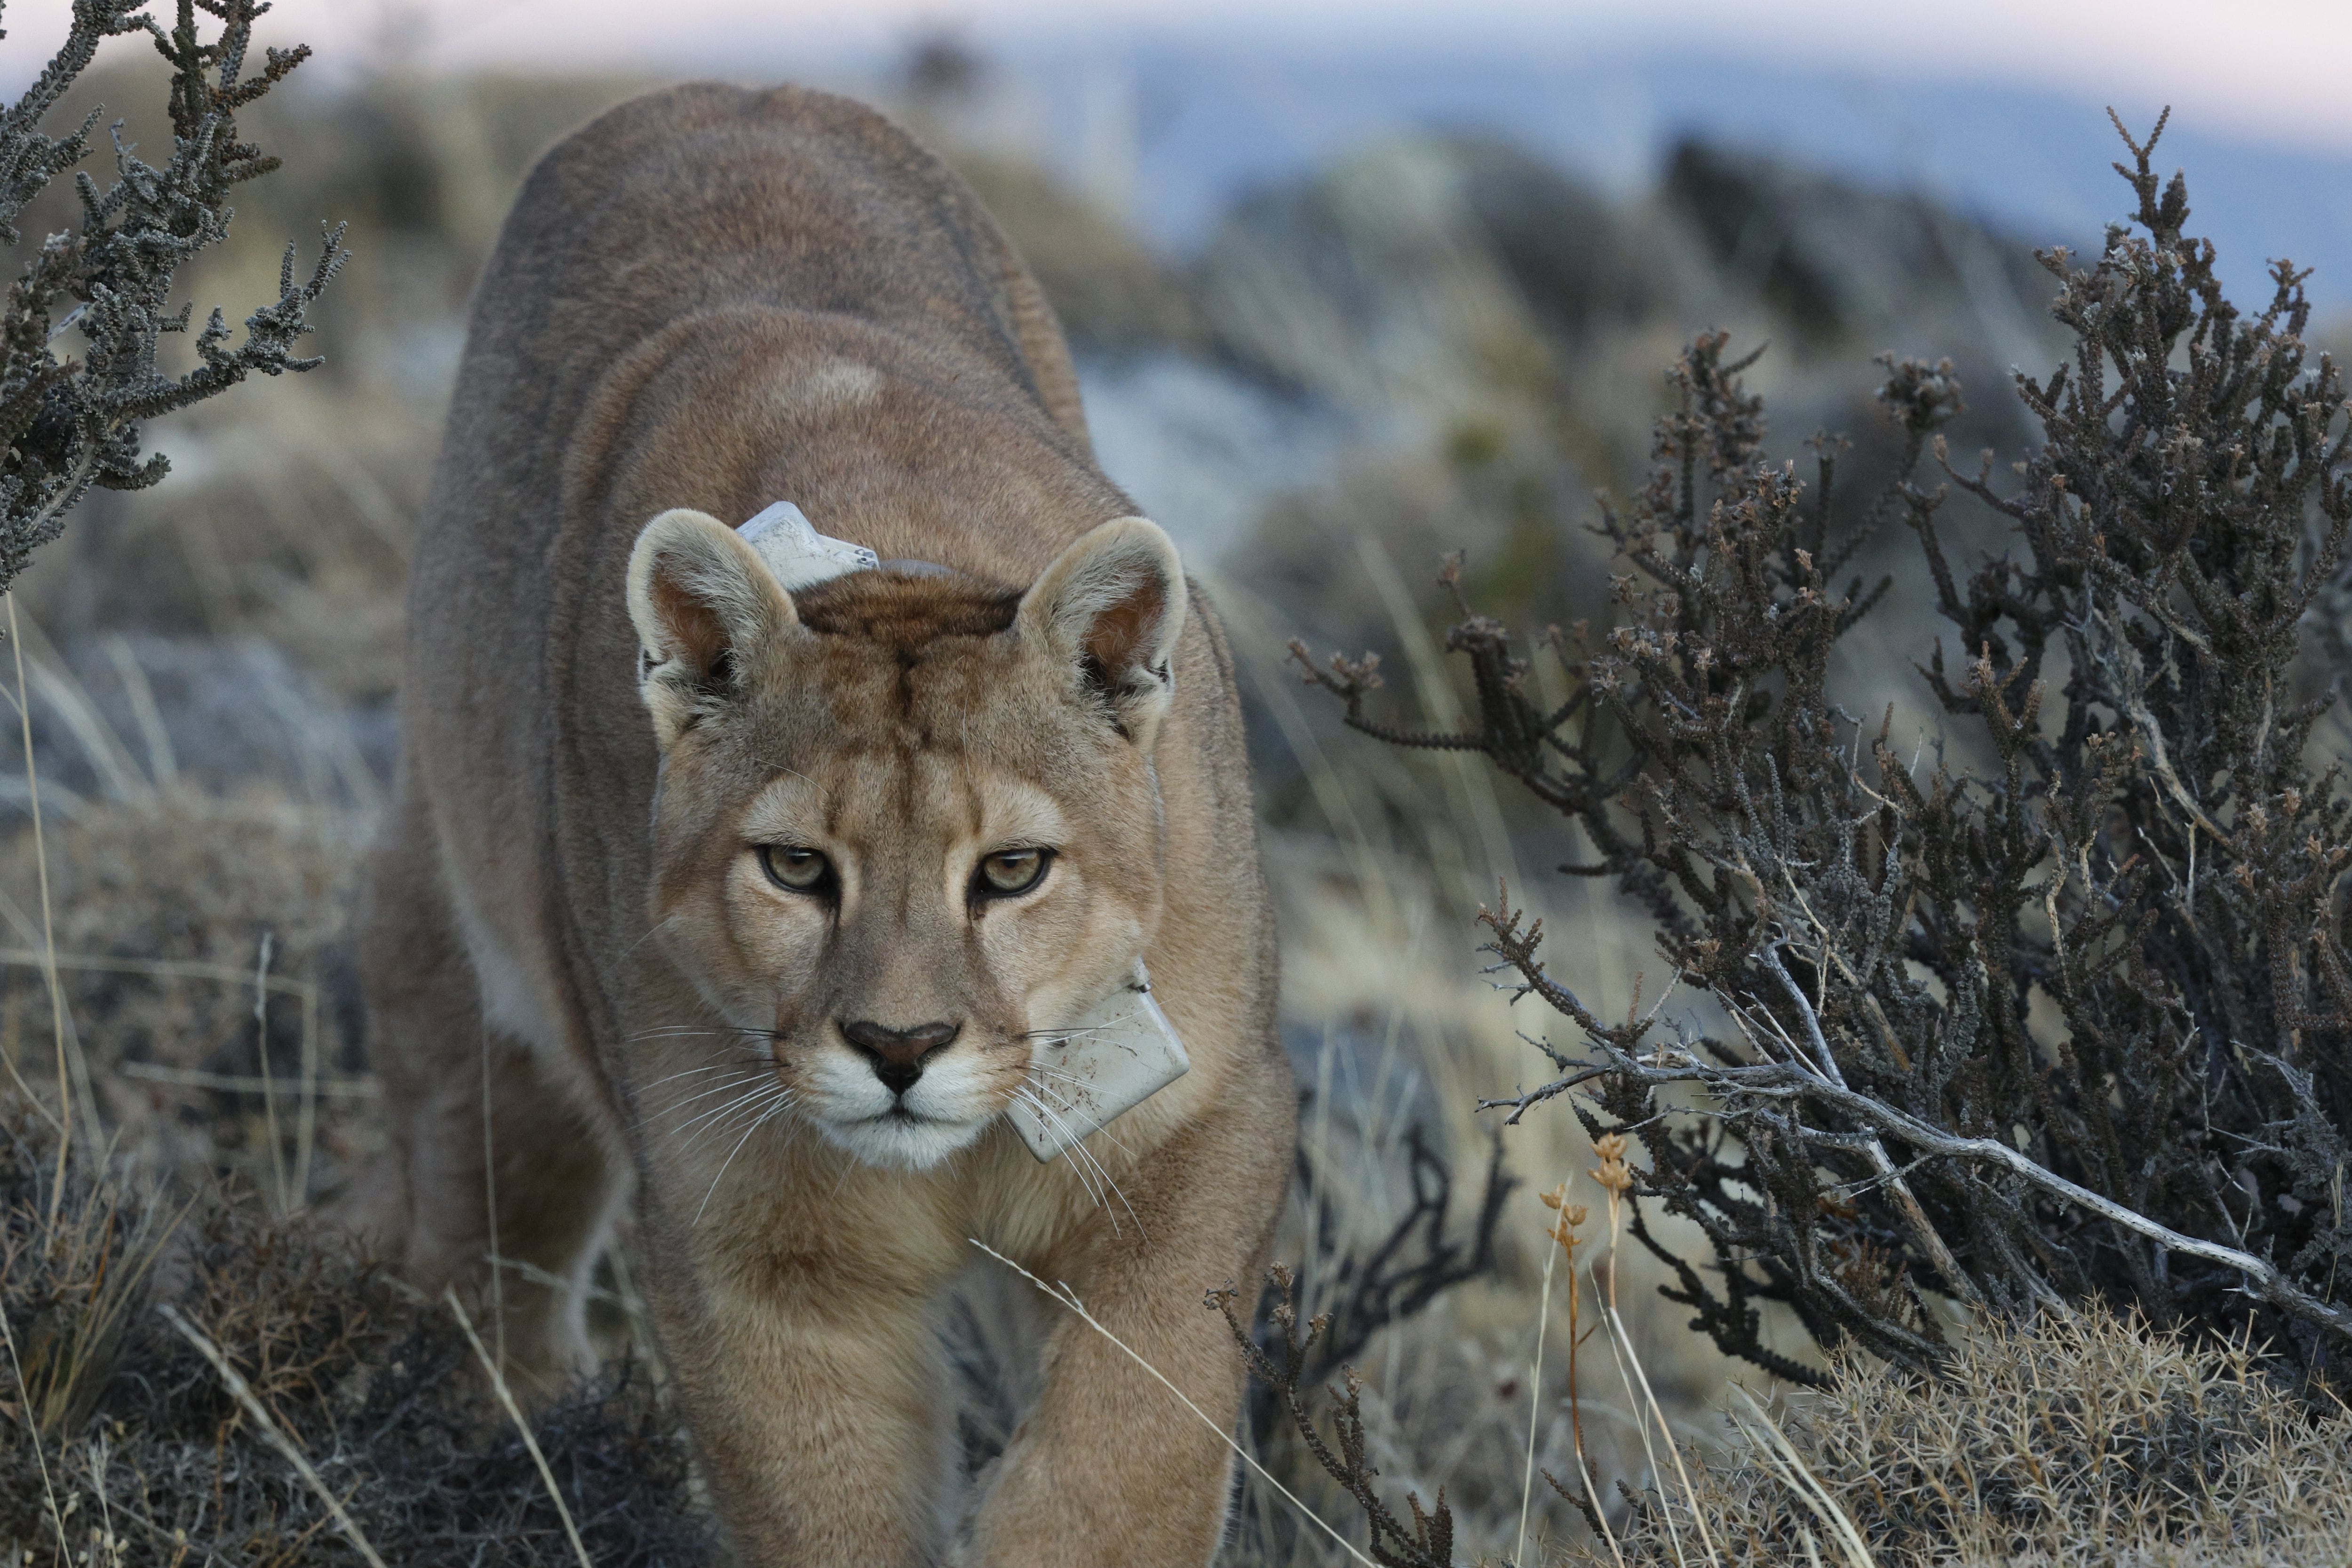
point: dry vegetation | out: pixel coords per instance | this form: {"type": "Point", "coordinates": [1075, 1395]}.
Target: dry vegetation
{"type": "Point", "coordinates": [71, 417]}
{"type": "Point", "coordinates": [1885, 1136]}
{"type": "Point", "coordinates": [209, 668]}
{"type": "Point", "coordinates": [2090, 1438]}
{"type": "Point", "coordinates": [129, 1445]}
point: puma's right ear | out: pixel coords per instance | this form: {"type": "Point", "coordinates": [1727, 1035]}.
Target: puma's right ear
{"type": "Point", "coordinates": [703, 603]}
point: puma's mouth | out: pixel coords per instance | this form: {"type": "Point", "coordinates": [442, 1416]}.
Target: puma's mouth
{"type": "Point", "coordinates": [900, 1139]}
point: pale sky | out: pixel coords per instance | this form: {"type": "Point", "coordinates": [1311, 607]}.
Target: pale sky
{"type": "Point", "coordinates": [2272, 69]}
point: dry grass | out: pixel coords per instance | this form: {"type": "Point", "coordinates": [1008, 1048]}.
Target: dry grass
{"type": "Point", "coordinates": [192, 1382]}
{"type": "Point", "coordinates": [2084, 1438]}
{"type": "Point", "coordinates": [162, 905]}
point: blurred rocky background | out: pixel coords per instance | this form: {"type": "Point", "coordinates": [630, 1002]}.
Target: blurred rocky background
{"type": "Point", "coordinates": [1439, 341]}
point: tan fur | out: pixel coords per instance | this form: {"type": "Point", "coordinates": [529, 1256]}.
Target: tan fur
{"type": "Point", "coordinates": [708, 301]}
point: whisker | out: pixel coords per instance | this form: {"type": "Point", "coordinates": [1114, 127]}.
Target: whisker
{"type": "Point", "coordinates": [751, 1116]}
{"type": "Point", "coordinates": [687, 1031]}
{"type": "Point", "coordinates": [1100, 1170]}
{"type": "Point", "coordinates": [738, 1090]}
{"type": "Point", "coordinates": [1069, 1103]}
{"type": "Point", "coordinates": [721, 1112]}
{"type": "Point", "coordinates": [1070, 1142]}
{"type": "Point", "coordinates": [1103, 1176]}
{"type": "Point", "coordinates": [690, 1072]}
{"type": "Point", "coordinates": [783, 1099]}
{"type": "Point", "coordinates": [1029, 1097]}
{"type": "Point", "coordinates": [1076, 1151]}
{"type": "Point", "coordinates": [694, 1092]}
{"type": "Point", "coordinates": [722, 1121]}
{"type": "Point", "coordinates": [649, 933]}
{"type": "Point", "coordinates": [1066, 1078]}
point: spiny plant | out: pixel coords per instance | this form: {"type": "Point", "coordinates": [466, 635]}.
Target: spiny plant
{"type": "Point", "coordinates": [1281, 1368]}
{"type": "Point", "coordinates": [69, 423]}
{"type": "Point", "coordinates": [2075, 1024]}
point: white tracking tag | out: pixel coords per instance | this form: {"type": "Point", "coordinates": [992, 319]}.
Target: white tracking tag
{"type": "Point", "coordinates": [797, 553]}
{"type": "Point", "coordinates": [1119, 1053]}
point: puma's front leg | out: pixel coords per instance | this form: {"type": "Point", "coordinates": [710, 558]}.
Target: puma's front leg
{"type": "Point", "coordinates": [812, 1401]}
{"type": "Point", "coordinates": [1110, 1468]}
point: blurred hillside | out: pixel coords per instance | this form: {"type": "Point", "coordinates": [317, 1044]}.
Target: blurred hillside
{"type": "Point", "coordinates": [1172, 129]}
{"type": "Point", "coordinates": [1435, 343]}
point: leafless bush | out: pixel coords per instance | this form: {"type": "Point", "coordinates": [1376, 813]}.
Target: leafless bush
{"type": "Point", "coordinates": [69, 425]}
{"type": "Point", "coordinates": [1397, 1277]}
{"type": "Point", "coordinates": [2077, 1026]}
{"type": "Point", "coordinates": [1282, 1368]}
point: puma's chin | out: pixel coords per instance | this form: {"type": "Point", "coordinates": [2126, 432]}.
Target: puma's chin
{"type": "Point", "coordinates": [899, 1141]}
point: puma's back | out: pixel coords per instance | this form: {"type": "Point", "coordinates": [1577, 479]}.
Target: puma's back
{"type": "Point", "coordinates": [766, 906]}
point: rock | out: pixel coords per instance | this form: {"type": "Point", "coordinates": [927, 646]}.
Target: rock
{"type": "Point", "coordinates": [1111, 294]}
{"type": "Point", "coordinates": [1381, 284]}
{"type": "Point", "coordinates": [1845, 268]}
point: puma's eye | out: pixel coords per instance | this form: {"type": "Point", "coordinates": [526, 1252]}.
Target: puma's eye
{"type": "Point", "coordinates": [1010, 871]}
{"type": "Point", "coordinates": [791, 867]}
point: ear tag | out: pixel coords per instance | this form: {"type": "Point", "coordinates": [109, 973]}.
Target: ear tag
{"type": "Point", "coordinates": [1119, 1053]}
{"type": "Point", "coordinates": [797, 553]}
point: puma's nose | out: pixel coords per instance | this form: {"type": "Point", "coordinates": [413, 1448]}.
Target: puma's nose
{"type": "Point", "coordinates": [898, 1054]}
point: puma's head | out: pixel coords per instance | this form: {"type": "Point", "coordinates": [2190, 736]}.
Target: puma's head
{"type": "Point", "coordinates": [904, 822]}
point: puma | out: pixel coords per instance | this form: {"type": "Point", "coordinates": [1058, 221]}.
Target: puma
{"type": "Point", "coordinates": [750, 913]}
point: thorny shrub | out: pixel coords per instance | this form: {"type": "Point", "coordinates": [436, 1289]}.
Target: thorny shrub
{"type": "Point", "coordinates": [2074, 1026]}
{"type": "Point", "coordinates": [70, 424]}
{"type": "Point", "coordinates": [1283, 1366]}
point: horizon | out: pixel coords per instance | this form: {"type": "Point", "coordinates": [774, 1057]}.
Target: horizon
{"type": "Point", "coordinates": [1167, 123]}
{"type": "Point", "coordinates": [2226, 80]}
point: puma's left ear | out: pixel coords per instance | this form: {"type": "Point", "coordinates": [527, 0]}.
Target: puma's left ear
{"type": "Point", "coordinates": [1112, 607]}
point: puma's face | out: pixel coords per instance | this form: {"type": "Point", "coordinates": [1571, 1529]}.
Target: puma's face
{"type": "Point", "coordinates": [906, 823]}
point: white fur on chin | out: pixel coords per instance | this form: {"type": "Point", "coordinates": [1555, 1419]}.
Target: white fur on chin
{"type": "Point", "coordinates": [899, 1142]}
{"type": "Point", "coordinates": [852, 1110]}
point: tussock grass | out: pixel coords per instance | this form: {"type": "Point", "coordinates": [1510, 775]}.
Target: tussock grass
{"type": "Point", "coordinates": [196, 1372]}
{"type": "Point", "coordinates": [198, 1382]}
{"type": "Point", "coordinates": [203, 1062]}
{"type": "Point", "coordinates": [2084, 1437]}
